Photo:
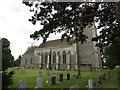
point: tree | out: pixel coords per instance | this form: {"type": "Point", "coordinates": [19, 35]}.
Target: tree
{"type": "Point", "coordinates": [113, 55]}
{"type": "Point", "coordinates": [7, 61]}
{"type": "Point", "coordinates": [17, 62]}
{"type": "Point", "coordinates": [73, 17]}
{"type": "Point", "coordinates": [32, 47]}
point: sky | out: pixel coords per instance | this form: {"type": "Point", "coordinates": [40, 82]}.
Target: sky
{"type": "Point", "coordinates": [14, 26]}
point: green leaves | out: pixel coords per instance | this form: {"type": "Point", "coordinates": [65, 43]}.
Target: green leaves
{"type": "Point", "coordinates": [7, 61]}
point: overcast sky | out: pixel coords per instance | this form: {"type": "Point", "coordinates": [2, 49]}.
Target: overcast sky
{"type": "Point", "coordinates": [14, 26]}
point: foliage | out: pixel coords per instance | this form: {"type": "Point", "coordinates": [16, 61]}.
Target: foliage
{"type": "Point", "coordinates": [7, 61]}
{"type": "Point", "coordinates": [74, 19]}
{"type": "Point", "coordinates": [17, 62]}
{"type": "Point", "coordinates": [32, 47]}
{"type": "Point", "coordinates": [113, 55]}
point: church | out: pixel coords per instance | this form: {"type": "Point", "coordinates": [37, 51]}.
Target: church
{"type": "Point", "coordinates": [63, 55]}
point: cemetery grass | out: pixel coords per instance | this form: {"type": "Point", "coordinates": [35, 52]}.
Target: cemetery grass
{"type": "Point", "coordinates": [112, 81]}
{"type": "Point", "coordinates": [31, 76]}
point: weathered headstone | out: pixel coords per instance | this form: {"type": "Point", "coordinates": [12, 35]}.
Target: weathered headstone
{"type": "Point", "coordinates": [23, 71]}
{"type": "Point", "coordinates": [75, 87]}
{"type": "Point", "coordinates": [90, 83]}
{"type": "Point", "coordinates": [40, 74]}
{"type": "Point", "coordinates": [68, 76]}
{"type": "Point", "coordinates": [22, 84]}
{"type": "Point", "coordinates": [53, 81]}
{"type": "Point", "coordinates": [39, 83]}
{"type": "Point", "coordinates": [61, 78]}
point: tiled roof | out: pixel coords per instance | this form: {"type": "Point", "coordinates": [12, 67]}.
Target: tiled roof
{"type": "Point", "coordinates": [56, 43]}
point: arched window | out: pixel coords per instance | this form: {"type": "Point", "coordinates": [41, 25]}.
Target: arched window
{"type": "Point", "coordinates": [54, 57]}
{"type": "Point", "coordinates": [46, 57]}
{"type": "Point", "coordinates": [25, 61]}
{"type": "Point", "coordinates": [31, 61]}
{"type": "Point", "coordinates": [64, 57]}
{"type": "Point", "coordinates": [39, 58]}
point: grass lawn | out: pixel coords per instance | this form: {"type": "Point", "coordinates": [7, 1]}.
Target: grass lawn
{"type": "Point", "coordinates": [112, 82]}
{"type": "Point", "coordinates": [32, 75]}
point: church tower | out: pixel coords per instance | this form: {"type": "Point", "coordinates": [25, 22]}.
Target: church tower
{"type": "Point", "coordinates": [87, 52]}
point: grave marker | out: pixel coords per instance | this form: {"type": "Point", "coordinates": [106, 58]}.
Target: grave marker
{"type": "Point", "coordinates": [22, 84]}
{"type": "Point", "coordinates": [39, 83]}
{"type": "Point", "coordinates": [96, 81]}
{"type": "Point", "coordinates": [90, 83]}
{"type": "Point", "coordinates": [100, 80]}
{"type": "Point", "coordinates": [61, 78]}
{"type": "Point", "coordinates": [23, 71]}
{"type": "Point", "coordinates": [68, 76]}
{"type": "Point", "coordinates": [53, 81]}
{"type": "Point", "coordinates": [40, 74]}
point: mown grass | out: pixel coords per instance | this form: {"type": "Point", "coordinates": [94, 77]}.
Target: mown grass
{"type": "Point", "coordinates": [112, 81]}
{"type": "Point", "coordinates": [32, 75]}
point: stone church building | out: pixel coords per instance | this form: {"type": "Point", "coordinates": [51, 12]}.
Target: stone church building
{"type": "Point", "coordinates": [62, 55]}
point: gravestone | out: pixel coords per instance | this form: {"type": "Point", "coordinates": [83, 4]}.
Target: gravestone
{"type": "Point", "coordinates": [90, 83]}
{"type": "Point", "coordinates": [96, 82]}
{"type": "Point", "coordinates": [39, 83]}
{"type": "Point", "coordinates": [104, 76]}
{"type": "Point", "coordinates": [48, 73]}
{"type": "Point", "coordinates": [40, 74]}
{"type": "Point", "coordinates": [53, 81]}
{"type": "Point", "coordinates": [23, 71]}
{"type": "Point", "coordinates": [75, 87]}
{"type": "Point", "coordinates": [68, 76]}
{"type": "Point", "coordinates": [22, 84]}
{"type": "Point", "coordinates": [61, 78]}
{"type": "Point", "coordinates": [100, 80]}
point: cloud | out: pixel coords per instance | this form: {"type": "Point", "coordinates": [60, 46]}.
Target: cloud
{"type": "Point", "coordinates": [14, 26]}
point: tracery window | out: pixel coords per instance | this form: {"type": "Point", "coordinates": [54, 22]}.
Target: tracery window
{"type": "Point", "coordinates": [64, 57]}
{"type": "Point", "coordinates": [46, 57]}
{"type": "Point", "coordinates": [54, 57]}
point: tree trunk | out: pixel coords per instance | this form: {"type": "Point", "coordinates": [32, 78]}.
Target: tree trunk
{"type": "Point", "coordinates": [79, 72]}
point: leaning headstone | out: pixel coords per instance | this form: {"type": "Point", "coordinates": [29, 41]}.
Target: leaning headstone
{"type": "Point", "coordinates": [39, 83]}
{"type": "Point", "coordinates": [61, 78]}
{"type": "Point", "coordinates": [53, 81]}
{"type": "Point", "coordinates": [90, 83]}
{"type": "Point", "coordinates": [22, 84]}
{"type": "Point", "coordinates": [75, 87]}
{"type": "Point", "coordinates": [68, 76]}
